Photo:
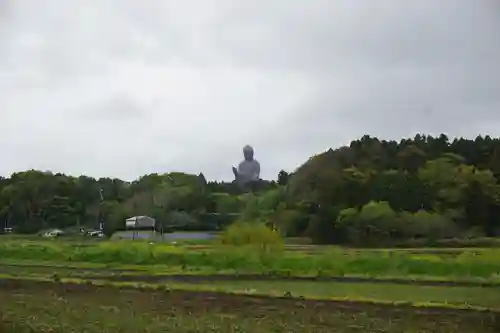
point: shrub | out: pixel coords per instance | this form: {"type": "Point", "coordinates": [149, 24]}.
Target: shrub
{"type": "Point", "coordinates": [253, 234]}
{"type": "Point", "coordinates": [291, 223]}
{"type": "Point", "coordinates": [432, 226]}
{"type": "Point", "coordinates": [374, 223]}
{"type": "Point", "coordinates": [321, 230]}
{"type": "Point", "coordinates": [377, 224]}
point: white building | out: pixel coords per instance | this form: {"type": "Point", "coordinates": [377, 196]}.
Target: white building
{"type": "Point", "coordinates": [140, 222]}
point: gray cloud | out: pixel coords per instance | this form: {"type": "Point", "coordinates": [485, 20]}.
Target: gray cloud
{"type": "Point", "coordinates": [115, 109]}
{"type": "Point", "coordinates": [122, 88]}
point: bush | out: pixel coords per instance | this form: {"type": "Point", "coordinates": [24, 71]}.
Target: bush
{"type": "Point", "coordinates": [432, 226]}
{"type": "Point", "coordinates": [291, 223]}
{"type": "Point", "coordinates": [253, 234]}
{"type": "Point", "coordinates": [376, 222]}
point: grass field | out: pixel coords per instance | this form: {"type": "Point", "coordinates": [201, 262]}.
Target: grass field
{"type": "Point", "coordinates": [466, 264]}
{"type": "Point", "coordinates": [139, 287]}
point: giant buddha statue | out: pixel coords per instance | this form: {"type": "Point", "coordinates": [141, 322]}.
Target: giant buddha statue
{"type": "Point", "coordinates": [248, 170]}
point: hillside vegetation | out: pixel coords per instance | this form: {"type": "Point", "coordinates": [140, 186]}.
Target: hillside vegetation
{"type": "Point", "coordinates": [422, 191]}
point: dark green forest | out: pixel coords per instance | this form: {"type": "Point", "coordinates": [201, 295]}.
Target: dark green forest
{"type": "Point", "coordinates": [370, 192]}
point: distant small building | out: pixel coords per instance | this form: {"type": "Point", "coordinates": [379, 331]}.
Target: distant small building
{"type": "Point", "coordinates": [140, 222]}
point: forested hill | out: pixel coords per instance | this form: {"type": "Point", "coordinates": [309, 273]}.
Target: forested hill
{"type": "Point", "coordinates": [372, 191]}
{"type": "Point", "coordinates": [410, 154]}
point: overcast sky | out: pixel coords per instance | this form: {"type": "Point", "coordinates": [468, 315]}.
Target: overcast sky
{"type": "Point", "coordinates": [122, 88]}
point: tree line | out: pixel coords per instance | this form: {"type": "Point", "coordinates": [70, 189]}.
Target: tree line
{"type": "Point", "coordinates": [370, 192]}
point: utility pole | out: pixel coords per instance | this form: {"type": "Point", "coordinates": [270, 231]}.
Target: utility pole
{"type": "Point", "coordinates": [101, 223]}
{"type": "Point", "coordinates": [155, 211]}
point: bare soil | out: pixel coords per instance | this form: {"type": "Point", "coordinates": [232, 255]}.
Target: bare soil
{"type": "Point", "coordinates": [58, 307]}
